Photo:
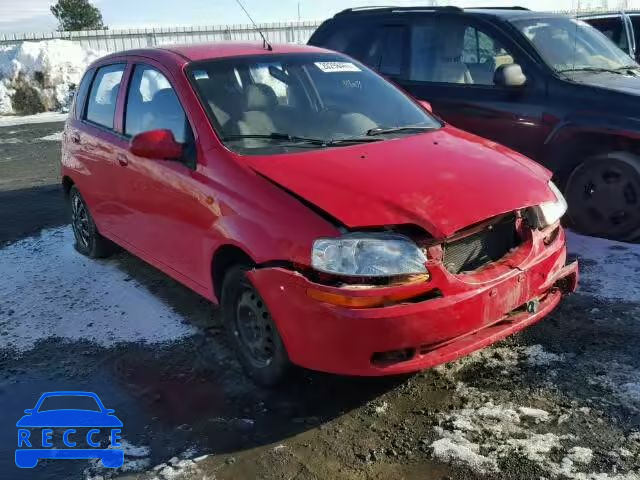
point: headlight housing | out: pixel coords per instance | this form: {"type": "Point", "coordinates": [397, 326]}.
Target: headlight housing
{"type": "Point", "coordinates": [548, 213]}
{"type": "Point", "coordinates": [368, 255]}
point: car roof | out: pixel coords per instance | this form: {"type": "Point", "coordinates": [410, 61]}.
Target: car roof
{"type": "Point", "coordinates": [205, 51]}
{"type": "Point", "coordinates": [505, 13]}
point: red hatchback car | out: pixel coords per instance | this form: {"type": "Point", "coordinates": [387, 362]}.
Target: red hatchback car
{"type": "Point", "coordinates": [339, 224]}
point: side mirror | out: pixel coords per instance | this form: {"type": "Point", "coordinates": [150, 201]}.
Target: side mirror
{"type": "Point", "coordinates": [29, 411]}
{"type": "Point", "coordinates": [156, 144]}
{"type": "Point", "coordinates": [509, 76]}
{"type": "Point", "coordinates": [426, 105]}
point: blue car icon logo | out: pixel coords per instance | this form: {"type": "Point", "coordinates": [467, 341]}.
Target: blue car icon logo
{"type": "Point", "coordinates": [82, 427]}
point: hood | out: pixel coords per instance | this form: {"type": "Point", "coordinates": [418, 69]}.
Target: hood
{"type": "Point", "coordinates": [441, 181]}
{"type": "Point", "coordinates": [629, 84]}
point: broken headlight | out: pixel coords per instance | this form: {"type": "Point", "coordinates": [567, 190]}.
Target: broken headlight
{"type": "Point", "coordinates": [548, 213]}
{"type": "Point", "coordinates": [368, 255]}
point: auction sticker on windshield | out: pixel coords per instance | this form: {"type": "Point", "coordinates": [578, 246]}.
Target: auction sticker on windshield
{"type": "Point", "coordinates": [332, 67]}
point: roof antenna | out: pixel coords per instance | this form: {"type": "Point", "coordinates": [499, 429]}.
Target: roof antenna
{"type": "Point", "coordinates": [265, 43]}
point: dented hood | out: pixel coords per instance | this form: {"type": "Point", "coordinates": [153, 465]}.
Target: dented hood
{"type": "Point", "coordinates": [442, 181]}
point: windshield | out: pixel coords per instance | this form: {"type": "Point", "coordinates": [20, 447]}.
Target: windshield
{"type": "Point", "coordinates": [280, 103]}
{"type": "Point", "coordinates": [66, 402]}
{"type": "Point", "coordinates": [568, 45]}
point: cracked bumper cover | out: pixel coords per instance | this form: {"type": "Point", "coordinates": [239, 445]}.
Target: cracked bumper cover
{"type": "Point", "coordinates": [473, 312]}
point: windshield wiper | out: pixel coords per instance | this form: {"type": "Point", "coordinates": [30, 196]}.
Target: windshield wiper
{"type": "Point", "coordinates": [619, 71]}
{"type": "Point", "coordinates": [293, 139]}
{"type": "Point", "coordinates": [408, 128]}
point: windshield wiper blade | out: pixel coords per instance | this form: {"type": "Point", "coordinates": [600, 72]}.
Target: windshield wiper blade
{"type": "Point", "coordinates": [277, 136]}
{"type": "Point", "coordinates": [592, 69]}
{"type": "Point", "coordinates": [293, 139]}
{"type": "Point", "coordinates": [408, 128]}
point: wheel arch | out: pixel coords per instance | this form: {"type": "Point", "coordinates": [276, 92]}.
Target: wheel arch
{"type": "Point", "coordinates": [224, 258]}
{"type": "Point", "coordinates": [67, 183]}
{"type": "Point", "coordinates": [570, 144]}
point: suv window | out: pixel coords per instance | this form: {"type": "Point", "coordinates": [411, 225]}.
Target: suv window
{"type": "Point", "coordinates": [153, 104]}
{"type": "Point", "coordinates": [104, 94]}
{"type": "Point", "coordinates": [385, 50]}
{"type": "Point", "coordinates": [613, 28]}
{"type": "Point", "coordinates": [452, 51]}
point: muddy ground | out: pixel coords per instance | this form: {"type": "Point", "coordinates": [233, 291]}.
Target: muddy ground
{"type": "Point", "coordinates": [561, 400]}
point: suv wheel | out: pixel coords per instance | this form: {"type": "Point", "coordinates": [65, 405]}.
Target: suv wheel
{"type": "Point", "coordinates": [89, 242]}
{"type": "Point", "coordinates": [603, 194]}
{"type": "Point", "coordinates": [251, 330]}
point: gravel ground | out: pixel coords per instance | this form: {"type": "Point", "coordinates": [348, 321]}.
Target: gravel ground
{"type": "Point", "coordinates": [559, 401]}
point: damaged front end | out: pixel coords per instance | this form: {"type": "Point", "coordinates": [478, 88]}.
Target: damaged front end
{"type": "Point", "coordinates": [474, 288]}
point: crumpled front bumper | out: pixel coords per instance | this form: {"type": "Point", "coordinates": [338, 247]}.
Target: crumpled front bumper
{"type": "Point", "coordinates": [472, 312]}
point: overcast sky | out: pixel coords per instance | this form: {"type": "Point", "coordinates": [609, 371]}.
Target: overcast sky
{"type": "Point", "coordinates": [34, 15]}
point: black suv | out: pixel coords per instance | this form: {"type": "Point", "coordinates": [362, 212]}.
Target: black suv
{"type": "Point", "coordinates": [549, 86]}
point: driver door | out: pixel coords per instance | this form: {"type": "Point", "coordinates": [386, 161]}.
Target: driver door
{"type": "Point", "coordinates": [165, 218]}
{"type": "Point", "coordinates": [452, 62]}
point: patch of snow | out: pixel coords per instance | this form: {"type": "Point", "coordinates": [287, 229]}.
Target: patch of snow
{"type": "Point", "coordinates": [580, 455]}
{"type": "Point", "coordinates": [135, 451]}
{"type": "Point", "coordinates": [382, 408]}
{"type": "Point", "coordinates": [52, 67]}
{"type": "Point", "coordinates": [6, 107]}
{"type": "Point", "coordinates": [76, 298]}
{"type": "Point", "coordinates": [537, 355]}
{"type": "Point", "coordinates": [460, 450]}
{"type": "Point", "coordinates": [535, 414]}
{"type": "Point", "coordinates": [607, 260]}
{"type": "Point", "coordinates": [54, 137]}
{"type": "Point", "coordinates": [46, 117]}
{"type": "Point", "coordinates": [10, 140]}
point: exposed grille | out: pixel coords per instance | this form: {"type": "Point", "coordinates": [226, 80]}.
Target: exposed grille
{"type": "Point", "coordinates": [474, 251]}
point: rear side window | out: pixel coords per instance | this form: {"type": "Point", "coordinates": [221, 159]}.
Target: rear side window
{"type": "Point", "coordinates": [81, 94]}
{"type": "Point", "coordinates": [104, 94]}
{"type": "Point", "coordinates": [386, 50]}
{"type": "Point", "coordinates": [152, 104]}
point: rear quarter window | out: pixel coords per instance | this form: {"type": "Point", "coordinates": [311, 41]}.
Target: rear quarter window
{"type": "Point", "coordinates": [81, 94]}
{"type": "Point", "coordinates": [101, 106]}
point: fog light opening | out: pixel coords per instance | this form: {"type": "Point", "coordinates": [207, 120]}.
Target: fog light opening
{"type": "Point", "coordinates": [391, 357]}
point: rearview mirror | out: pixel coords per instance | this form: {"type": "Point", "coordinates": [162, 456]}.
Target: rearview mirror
{"type": "Point", "coordinates": [157, 144]}
{"type": "Point", "coordinates": [426, 105]}
{"type": "Point", "coordinates": [509, 76]}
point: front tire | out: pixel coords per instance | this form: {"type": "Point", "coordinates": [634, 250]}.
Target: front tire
{"type": "Point", "coordinates": [603, 194]}
{"type": "Point", "coordinates": [88, 240]}
{"type": "Point", "coordinates": [251, 330]}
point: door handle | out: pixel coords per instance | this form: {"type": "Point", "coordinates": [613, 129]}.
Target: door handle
{"type": "Point", "coordinates": [122, 160]}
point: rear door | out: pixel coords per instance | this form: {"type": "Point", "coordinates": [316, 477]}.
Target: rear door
{"type": "Point", "coordinates": [94, 137]}
{"type": "Point", "coordinates": [452, 62]}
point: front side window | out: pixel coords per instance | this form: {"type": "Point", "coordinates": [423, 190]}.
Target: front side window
{"type": "Point", "coordinates": [568, 45]}
{"type": "Point", "coordinates": [298, 101]}
{"type": "Point", "coordinates": [152, 104]}
{"type": "Point", "coordinates": [453, 51]}
{"type": "Point", "coordinates": [101, 107]}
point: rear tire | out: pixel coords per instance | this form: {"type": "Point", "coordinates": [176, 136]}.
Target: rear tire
{"type": "Point", "coordinates": [251, 330]}
{"type": "Point", "coordinates": [88, 240]}
{"type": "Point", "coordinates": [603, 194]}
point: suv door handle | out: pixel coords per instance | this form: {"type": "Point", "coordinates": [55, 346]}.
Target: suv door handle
{"type": "Point", "coordinates": [122, 159]}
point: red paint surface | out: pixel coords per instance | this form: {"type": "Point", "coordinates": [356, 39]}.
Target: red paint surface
{"type": "Point", "coordinates": [177, 218]}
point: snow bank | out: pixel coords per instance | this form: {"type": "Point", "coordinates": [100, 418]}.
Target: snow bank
{"type": "Point", "coordinates": [41, 76]}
